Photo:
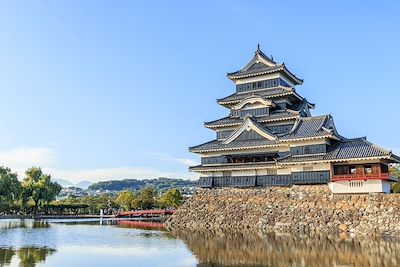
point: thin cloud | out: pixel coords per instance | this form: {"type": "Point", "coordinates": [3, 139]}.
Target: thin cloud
{"type": "Point", "coordinates": [21, 158]}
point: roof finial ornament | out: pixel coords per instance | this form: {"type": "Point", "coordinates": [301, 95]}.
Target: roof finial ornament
{"type": "Point", "coordinates": [272, 57]}
{"type": "Point", "coordinates": [258, 47]}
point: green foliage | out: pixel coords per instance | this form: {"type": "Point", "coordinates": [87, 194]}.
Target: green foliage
{"type": "Point", "coordinates": [170, 199]}
{"type": "Point", "coordinates": [10, 187]}
{"type": "Point", "coordinates": [127, 200]}
{"type": "Point", "coordinates": [39, 188]}
{"type": "Point", "coordinates": [395, 171]}
{"type": "Point", "coordinates": [159, 185]}
{"type": "Point", "coordinates": [146, 198]}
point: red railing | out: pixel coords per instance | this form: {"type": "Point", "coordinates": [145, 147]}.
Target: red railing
{"type": "Point", "coordinates": [372, 176]}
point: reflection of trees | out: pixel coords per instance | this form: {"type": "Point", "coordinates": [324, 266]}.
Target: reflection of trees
{"type": "Point", "coordinates": [28, 256]}
{"type": "Point", "coordinates": [11, 224]}
{"type": "Point", "coordinates": [247, 249]}
{"type": "Point", "coordinates": [6, 255]}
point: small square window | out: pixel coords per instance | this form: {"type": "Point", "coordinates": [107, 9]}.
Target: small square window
{"type": "Point", "coordinates": [352, 170]}
{"type": "Point", "coordinates": [368, 169]}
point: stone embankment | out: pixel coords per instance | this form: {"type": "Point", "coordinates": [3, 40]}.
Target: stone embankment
{"type": "Point", "coordinates": [289, 209]}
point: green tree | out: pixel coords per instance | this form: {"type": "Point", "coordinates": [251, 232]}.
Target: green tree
{"type": "Point", "coordinates": [146, 198]}
{"type": "Point", "coordinates": [126, 200]}
{"type": "Point", "coordinates": [10, 187]}
{"type": "Point", "coordinates": [38, 188]}
{"type": "Point", "coordinates": [170, 199]}
{"type": "Point", "coordinates": [395, 171]}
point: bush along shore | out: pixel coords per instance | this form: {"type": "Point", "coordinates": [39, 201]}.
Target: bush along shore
{"type": "Point", "coordinates": [289, 209]}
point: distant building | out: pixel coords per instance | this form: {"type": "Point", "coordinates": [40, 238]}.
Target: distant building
{"type": "Point", "coordinates": [270, 138]}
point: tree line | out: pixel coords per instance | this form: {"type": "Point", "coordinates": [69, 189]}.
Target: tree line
{"type": "Point", "coordinates": [37, 193]}
{"type": "Point", "coordinates": [125, 200]}
{"type": "Point", "coordinates": [33, 193]}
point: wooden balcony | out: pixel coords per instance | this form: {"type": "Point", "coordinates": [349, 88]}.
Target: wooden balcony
{"type": "Point", "coordinates": [361, 176]}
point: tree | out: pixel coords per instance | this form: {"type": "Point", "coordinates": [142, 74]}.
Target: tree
{"type": "Point", "coordinates": [38, 188]}
{"type": "Point", "coordinates": [126, 200]}
{"type": "Point", "coordinates": [170, 199]}
{"type": "Point", "coordinates": [395, 171]}
{"type": "Point", "coordinates": [10, 187]}
{"type": "Point", "coordinates": [146, 198]}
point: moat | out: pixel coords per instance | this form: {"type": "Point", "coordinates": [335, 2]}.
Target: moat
{"type": "Point", "coordinates": [121, 243]}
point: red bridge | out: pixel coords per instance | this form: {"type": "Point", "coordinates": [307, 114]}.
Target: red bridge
{"type": "Point", "coordinates": [143, 213]}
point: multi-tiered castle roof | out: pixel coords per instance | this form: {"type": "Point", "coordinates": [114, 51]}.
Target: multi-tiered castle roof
{"type": "Point", "coordinates": [270, 126]}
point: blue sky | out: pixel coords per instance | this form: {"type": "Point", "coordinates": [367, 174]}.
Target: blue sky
{"type": "Point", "coordinates": [95, 90]}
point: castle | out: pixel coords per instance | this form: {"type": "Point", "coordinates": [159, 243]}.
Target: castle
{"type": "Point", "coordinates": [270, 138]}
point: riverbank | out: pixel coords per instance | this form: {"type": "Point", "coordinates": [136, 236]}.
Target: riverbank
{"type": "Point", "coordinates": [289, 209]}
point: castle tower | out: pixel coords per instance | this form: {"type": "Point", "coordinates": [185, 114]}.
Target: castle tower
{"type": "Point", "coordinates": [270, 138]}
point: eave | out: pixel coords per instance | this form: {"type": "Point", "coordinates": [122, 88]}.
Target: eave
{"type": "Point", "coordinates": [281, 67]}
{"type": "Point", "coordinates": [228, 167]}
{"type": "Point", "coordinates": [333, 160]}
{"type": "Point", "coordinates": [234, 148]}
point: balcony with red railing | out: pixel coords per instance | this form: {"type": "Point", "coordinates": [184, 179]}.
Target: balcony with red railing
{"type": "Point", "coordinates": [376, 171]}
{"type": "Point", "coordinates": [363, 176]}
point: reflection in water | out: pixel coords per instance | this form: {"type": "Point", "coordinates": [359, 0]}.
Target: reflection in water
{"type": "Point", "coordinates": [148, 225]}
{"type": "Point", "coordinates": [6, 255]}
{"type": "Point", "coordinates": [27, 257]}
{"type": "Point", "coordinates": [119, 243]}
{"type": "Point", "coordinates": [12, 224]}
{"type": "Point", "coordinates": [246, 249]}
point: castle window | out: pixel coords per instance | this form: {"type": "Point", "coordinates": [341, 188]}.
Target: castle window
{"type": "Point", "coordinates": [356, 184]}
{"type": "Point", "coordinates": [307, 150]}
{"type": "Point", "coordinates": [259, 85]}
{"type": "Point", "coordinates": [352, 170]}
{"type": "Point", "coordinates": [368, 169]}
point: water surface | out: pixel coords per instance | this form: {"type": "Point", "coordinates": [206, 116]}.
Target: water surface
{"type": "Point", "coordinates": [124, 243]}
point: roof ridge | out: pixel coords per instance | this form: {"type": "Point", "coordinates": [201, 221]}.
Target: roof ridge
{"type": "Point", "coordinates": [314, 117]}
{"type": "Point", "coordinates": [322, 123]}
{"type": "Point", "coordinates": [383, 150]}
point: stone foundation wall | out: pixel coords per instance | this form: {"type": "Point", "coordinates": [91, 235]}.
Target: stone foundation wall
{"type": "Point", "coordinates": [283, 209]}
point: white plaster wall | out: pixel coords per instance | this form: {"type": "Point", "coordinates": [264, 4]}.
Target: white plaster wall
{"type": "Point", "coordinates": [369, 186]}
{"type": "Point", "coordinates": [316, 167]}
{"type": "Point", "coordinates": [244, 173]}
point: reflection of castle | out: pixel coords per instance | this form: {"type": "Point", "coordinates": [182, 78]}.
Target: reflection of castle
{"type": "Point", "coordinates": [270, 138]}
{"type": "Point", "coordinates": [250, 249]}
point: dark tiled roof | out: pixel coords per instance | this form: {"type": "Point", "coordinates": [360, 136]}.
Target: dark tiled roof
{"type": "Point", "coordinates": [233, 166]}
{"type": "Point", "coordinates": [344, 149]}
{"type": "Point", "coordinates": [306, 127]}
{"type": "Point", "coordinates": [277, 115]}
{"type": "Point", "coordinates": [267, 93]}
{"type": "Point", "coordinates": [356, 148]}
{"type": "Point", "coordinates": [252, 71]}
{"type": "Point", "coordinates": [218, 145]}
{"type": "Point", "coordinates": [224, 121]}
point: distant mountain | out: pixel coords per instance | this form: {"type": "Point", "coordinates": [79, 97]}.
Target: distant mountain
{"type": "Point", "coordinates": [83, 184]}
{"type": "Point", "coordinates": [63, 182]}
{"type": "Point", "coordinates": [159, 184]}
